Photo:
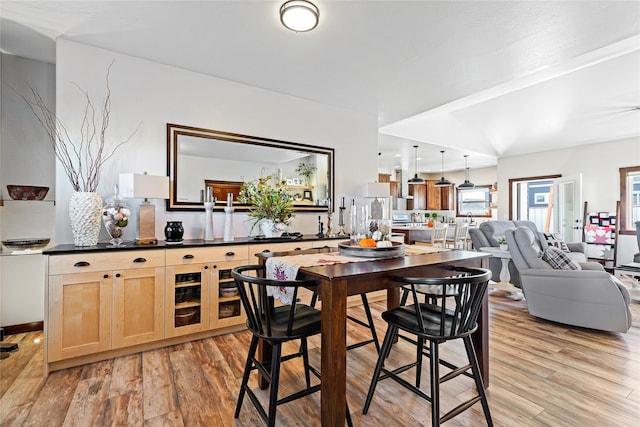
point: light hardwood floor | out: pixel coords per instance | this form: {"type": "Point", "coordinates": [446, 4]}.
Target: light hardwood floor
{"type": "Point", "coordinates": [542, 374]}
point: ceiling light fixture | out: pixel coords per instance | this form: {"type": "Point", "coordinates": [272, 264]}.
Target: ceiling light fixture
{"type": "Point", "coordinates": [299, 15]}
{"type": "Point", "coordinates": [466, 183]}
{"type": "Point", "coordinates": [443, 182]}
{"type": "Point", "coordinates": [416, 179]}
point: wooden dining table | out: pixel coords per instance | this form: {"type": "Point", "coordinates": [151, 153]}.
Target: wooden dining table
{"type": "Point", "coordinates": [338, 281]}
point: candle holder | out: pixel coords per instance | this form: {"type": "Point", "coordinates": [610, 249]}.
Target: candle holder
{"type": "Point", "coordinates": [320, 233]}
{"type": "Point", "coordinates": [341, 232]}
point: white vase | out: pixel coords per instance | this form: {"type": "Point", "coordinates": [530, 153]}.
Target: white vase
{"type": "Point", "coordinates": [272, 229]}
{"type": "Point", "coordinates": [84, 214]}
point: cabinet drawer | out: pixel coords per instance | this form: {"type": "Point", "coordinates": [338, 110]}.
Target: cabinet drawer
{"type": "Point", "coordinates": [185, 256]}
{"type": "Point", "coordinates": [276, 247]}
{"type": "Point", "coordinates": [85, 263]}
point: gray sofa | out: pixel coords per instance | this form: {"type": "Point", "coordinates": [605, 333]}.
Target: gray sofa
{"type": "Point", "coordinates": [487, 233]}
{"type": "Point", "coordinates": [589, 298]}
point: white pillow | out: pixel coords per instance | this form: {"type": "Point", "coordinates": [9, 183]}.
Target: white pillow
{"type": "Point", "coordinates": [556, 241]}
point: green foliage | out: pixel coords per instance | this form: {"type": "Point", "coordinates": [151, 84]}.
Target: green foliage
{"type": "Point", "coordinates": [267, 201]}
{"type": "Point", "coordinates": [306, 169]}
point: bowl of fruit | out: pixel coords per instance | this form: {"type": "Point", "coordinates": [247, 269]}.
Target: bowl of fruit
{"type": "Point", "coordinates": [370, 248]}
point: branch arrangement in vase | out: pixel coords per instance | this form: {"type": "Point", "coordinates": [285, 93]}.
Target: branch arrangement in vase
{"type": "Point", "coordinates": [83, 159]}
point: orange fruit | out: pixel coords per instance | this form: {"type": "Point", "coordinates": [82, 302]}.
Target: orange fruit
{"type": "Point", "coordinates": [367, 243]}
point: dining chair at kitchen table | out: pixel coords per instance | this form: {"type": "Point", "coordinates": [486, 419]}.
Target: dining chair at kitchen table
{"type": "Point", "coordinates": [451, 312]}
{"type": "Point", "coordinates": [459, 238]}
{"type": "Point", "coordinates": [369, 324]}
{"type": "Point", "coordinates": [438, 237]}
{"type": "Point", "coordinates": [275, 325]}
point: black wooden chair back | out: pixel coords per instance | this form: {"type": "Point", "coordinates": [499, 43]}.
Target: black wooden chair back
{"type": "Point", "coordinates": [282, 323]}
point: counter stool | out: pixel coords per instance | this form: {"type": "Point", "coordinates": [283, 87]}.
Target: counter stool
{"type": "Point", "coordinates": [450, 312]}
{"type": "Point", "coordinates": [275, 325]}
{"type": "Point", "coordinates": [315, 297]}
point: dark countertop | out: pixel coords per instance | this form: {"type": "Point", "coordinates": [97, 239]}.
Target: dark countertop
{"type": "Point", "coordinates": [67, 249]}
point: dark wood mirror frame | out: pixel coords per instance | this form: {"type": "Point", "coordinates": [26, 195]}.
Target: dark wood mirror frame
{"type": "Point", "coordinates": [220, 186]}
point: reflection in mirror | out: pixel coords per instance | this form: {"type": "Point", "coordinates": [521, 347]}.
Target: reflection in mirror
{"type": "Point", "coordinates": [198, 159]}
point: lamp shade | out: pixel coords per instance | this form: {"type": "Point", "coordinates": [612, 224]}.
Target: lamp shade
{"type": "Point", "coordinates": [416, 179]}
{"type": "Point", "coordinates": [377, 189]}
{"type": "Point", "coordinates": [143, 186]}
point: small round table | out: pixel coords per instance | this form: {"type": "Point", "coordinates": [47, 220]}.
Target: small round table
{"type": "Point", "coordinates": [505, 277]}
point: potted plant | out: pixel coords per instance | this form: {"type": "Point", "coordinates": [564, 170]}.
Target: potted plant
{"type": "Point", "coordinates": [306, 170]}
{"type": "Point", "coordinates": [502, 241]}
{"type": "Point", "coordinates": [271, 207]}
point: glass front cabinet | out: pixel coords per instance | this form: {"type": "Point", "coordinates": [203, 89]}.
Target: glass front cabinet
{"type": "Point", "coordinates": [201, 294]}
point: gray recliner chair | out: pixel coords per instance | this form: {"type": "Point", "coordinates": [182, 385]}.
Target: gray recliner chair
{"type": "Point", "coordinates": [488, 232]}
{"type": "Point", "coordinates": [589, 298]}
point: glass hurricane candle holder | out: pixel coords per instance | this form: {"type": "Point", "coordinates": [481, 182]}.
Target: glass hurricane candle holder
{"type": "Point", "coordinates": [115, 216]}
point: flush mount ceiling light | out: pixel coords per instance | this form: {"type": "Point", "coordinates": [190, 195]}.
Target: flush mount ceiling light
{"type": "Point", "coordinates": [299, 15]}
{"type": "Point", "coordinates": [466, 183]}
{"type": "Point", "coordinates": [416, 179]}
{"type": "Point", "coordinates": [443, 182]}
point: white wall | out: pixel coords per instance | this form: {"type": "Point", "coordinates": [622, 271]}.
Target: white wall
{"type": "Point", "coordinates": [598, 164]}
{"type": "Point", "coordinates": [157, 94]}
{"type": "Point", "coordinates": [25, 159]}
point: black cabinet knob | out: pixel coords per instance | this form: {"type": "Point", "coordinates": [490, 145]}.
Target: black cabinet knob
{"type": "Point", "coordinates": [230, 254]}
{"type": "Point", "coordinates": [117, 274]}
{"type": "Point", "coordinates": [106, 276]}
{"type": "Point", "coordinates": [187, 256]}
{"type": "Point", "coordinates": [81, 264]}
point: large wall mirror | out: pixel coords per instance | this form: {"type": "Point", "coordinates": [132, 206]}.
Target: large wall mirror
{"type": "Point", "coordinates": [201, 160]}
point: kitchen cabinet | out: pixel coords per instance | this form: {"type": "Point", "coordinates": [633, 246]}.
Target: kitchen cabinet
{"type": "Point", "coordinates": [102, 302]}
{"type": "Point", "coordinates": [138, 305]}
{"type": "Point", "coordinates": [79, 320]}
{"type": "Point", "coordinates": [447, 198]}
{"type": "Point", "coordinates": [194, 276]}
{"type": "Point", "coordinates": [429, 197]}
{"type": "Point", "coordinates": [434, 196]}
{"type": "Point", "coordinates": [98, 302]}
{"type": "Point", "coordinates": [418, 200]}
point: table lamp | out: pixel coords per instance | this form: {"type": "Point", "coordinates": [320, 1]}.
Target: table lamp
{"type": "Point", "coordinates": [143, 186]}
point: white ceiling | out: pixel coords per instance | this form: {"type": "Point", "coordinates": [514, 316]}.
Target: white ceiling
{"type": "Point", "coordinates": [484, 78]}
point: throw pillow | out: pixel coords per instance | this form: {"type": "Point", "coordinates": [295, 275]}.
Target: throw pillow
{"type": "Point", "coordinates": [556, 240]}
{"type": "Point", "coordinates": [559, 260]}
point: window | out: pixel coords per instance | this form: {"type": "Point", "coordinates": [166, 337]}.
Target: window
{"type": "Point", "coordinates": [474, 201]}
{"type": "Point", "coordinates": [629, 199]}
{"type": "Point", "coordinates": [530, 200]}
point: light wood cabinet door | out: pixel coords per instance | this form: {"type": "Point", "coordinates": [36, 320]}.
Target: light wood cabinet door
{"type": "Point", "coordinates": [79, 314]}
{"type": "Point", "coordinates": [138, 306]}
{"type": "Point", "coordinates": [187, 299]}
{"type": "Point", "coordinates": [225, 310]}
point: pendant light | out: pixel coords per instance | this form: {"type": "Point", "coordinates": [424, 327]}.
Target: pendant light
{"type": "Point", "coordinates": [416, 179]}
{"type": "Point", "coordinates": [443, 182]}
{"type": "Point", "coordinates": [466, 183]}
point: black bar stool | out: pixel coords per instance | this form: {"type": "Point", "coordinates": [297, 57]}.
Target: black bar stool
{"type": "Point", "coordinates": [275, 325]}
{"type": "Point", "coordinates": [449, 312]}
